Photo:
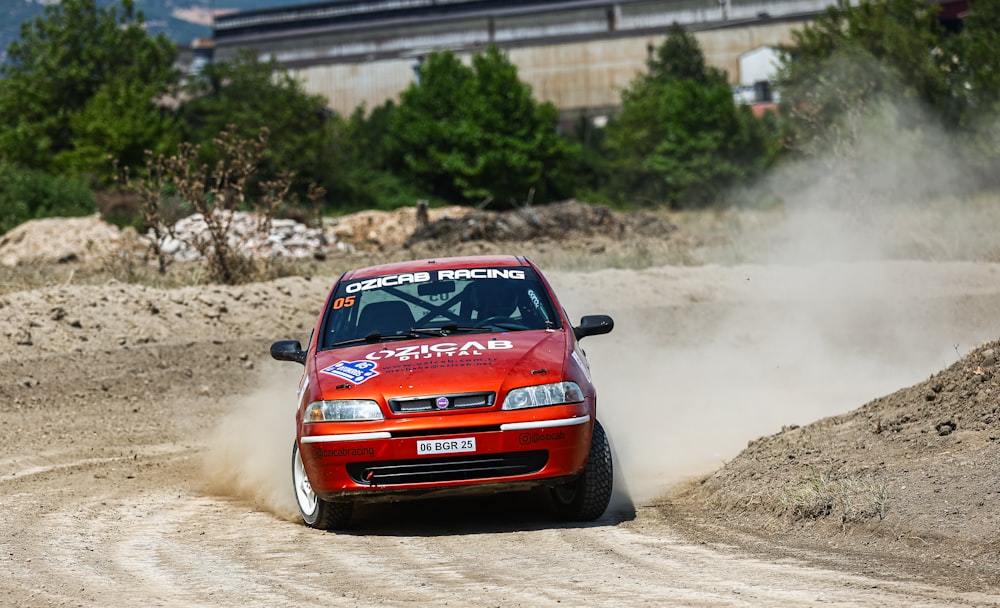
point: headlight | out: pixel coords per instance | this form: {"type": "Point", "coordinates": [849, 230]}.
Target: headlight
{"type": "Point", "coordinates": [342, 410]}
{"type": "Point", "coordinates": [544, 394]}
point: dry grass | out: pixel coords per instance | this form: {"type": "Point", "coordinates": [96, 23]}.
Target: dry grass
{"type": "Point", "coordinates": [216, 193]}
{"type": "Point", "coordinates": [849, 499]}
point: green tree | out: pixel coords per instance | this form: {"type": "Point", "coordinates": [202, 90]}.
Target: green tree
{"type": "Point", "coordinates": [679, 138]}
{"type": "Point", "coordinates": [976, 73]}
{"type": "Point", "coordinates": [421, 132]}
{"type": "Point", "coordinates": [890, 67]}
{"type": "Point", "coordinates": [249, 94]}
{"type": "Point", "coordinates": [475, 133]}
{"type": "Point", "coordinates": [679, 57]}
{"type": "Point", "coordinates": [586, 170]}
{"type": "Point", "coordinates": [853, 58]}
{"type": "Point", "coordinates": [370, 176]}
{"type": "Point", "coordinates": [121, 122]}
{"type": "Point", "coordinates": [976, 61]}
{"type": "Point", "coordinates": [73, 53]}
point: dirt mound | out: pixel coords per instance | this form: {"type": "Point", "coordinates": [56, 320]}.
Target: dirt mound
{"type": "Point", "coordinates": [89, 318]}
{"type": "Point", "coordinates": [59, 240]}
{"type": "Point", "coordinates": [380, 230]}
{"type": "Point", "coordinates": [545, 232]}
{"type": "Point", "coordinates": [559, 221]}
{"type": "Point", "coordinates": [914, 472]}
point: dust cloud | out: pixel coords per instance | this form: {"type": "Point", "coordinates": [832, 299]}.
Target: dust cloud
{"type": "Point", "coordinates": [856, 288]}
{"type": "Point", "coordinates": [859, 286]}
{"type": "Point", "coordinates": [684, 382]}
{"type": "Point", "coordinates": [701, 361]}
{"type": "Point", "coordinates": [249, 453]}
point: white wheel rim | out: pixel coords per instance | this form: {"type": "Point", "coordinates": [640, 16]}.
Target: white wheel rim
{"type": "Point", "coordinates": [303, 489]}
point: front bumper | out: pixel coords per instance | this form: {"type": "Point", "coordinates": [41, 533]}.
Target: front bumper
{"type": "Point", "coordinates": [421, 460]}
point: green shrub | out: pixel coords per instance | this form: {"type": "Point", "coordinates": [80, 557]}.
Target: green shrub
{"type": "Point", "coordinates": [475, 134]}
{"type": "Point", "coordinates": [680, 139]}
{"type": "Point", "coordinates": [26, 194]}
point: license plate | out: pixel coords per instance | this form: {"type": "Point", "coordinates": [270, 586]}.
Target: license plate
{"type": "Point", "coordinates": [446, 446]}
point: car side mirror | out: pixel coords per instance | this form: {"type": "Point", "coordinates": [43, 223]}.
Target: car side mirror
{"type": "Point", "coordinates": [593, 325]}
{"type": "Point", "coordinates": [288, 350]}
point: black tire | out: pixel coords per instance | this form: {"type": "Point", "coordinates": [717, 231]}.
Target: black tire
{"type": "Point", "coordinates": [587, 497]}
{"type": "Point", "coordinates": [316, 512]}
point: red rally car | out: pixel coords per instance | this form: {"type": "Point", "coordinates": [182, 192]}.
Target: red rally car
{"type": "Point", "coordinates": [446, 375]}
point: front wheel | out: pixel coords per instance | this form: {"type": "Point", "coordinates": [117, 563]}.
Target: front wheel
{"type": "Point", "coordinates": [316, 512]}
{"type": "Point", "coordinates": [587, 497]}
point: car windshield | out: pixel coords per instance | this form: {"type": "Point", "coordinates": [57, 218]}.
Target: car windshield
{"type": "Point", "coordinates": [438, 302]}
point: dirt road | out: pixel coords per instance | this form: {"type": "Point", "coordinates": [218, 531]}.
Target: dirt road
{"type": "Point", "coordinates": [146, 444]}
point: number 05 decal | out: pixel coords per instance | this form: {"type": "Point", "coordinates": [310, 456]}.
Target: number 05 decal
{"type": "Point", "coordinates": [343, 302]}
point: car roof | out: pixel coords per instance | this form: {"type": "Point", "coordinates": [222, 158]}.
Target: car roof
{"type": "Point", "coordinates": [470, 261]}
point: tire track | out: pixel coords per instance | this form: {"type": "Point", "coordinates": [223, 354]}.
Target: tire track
{"type": "Point", "coordinates": [169, 544]}
{"type": "Point", "coordinates": [136, 524]}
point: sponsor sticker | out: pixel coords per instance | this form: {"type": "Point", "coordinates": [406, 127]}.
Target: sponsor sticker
{"type": "Point", "coordinates": [344, 452]}
{"type": "Point", "coordinates": [396, 280]}
{"type": "Point", "coordinates": [446, 446]}
{"type": "Point", "coordinates": [392, 280]}
{"type": "Point", "coordinates": [440, 350]}
{"type": "Point", "coordinates": [530, 438]}
{"type": "Point", "coordinates": [480, 273]}
{"type": "Point", "coordinates": [354, 372]}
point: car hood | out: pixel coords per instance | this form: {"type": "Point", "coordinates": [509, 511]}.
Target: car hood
{"type": "Point", "coordinates": [447, 365]}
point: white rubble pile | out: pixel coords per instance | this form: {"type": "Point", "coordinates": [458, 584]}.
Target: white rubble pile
{"type": "Point", "coordinates": [91, 240]}
{"type": "Point", "coordinates": [248, 236]}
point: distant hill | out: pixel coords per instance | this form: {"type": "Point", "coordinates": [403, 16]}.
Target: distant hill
{"type": "Point", "coordinates": [181, 20]}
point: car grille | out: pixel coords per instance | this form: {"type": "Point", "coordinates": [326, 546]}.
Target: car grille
{"type": "Point", "coordinates": [443, 402]}
{"type": "Point", "coordinates": [450, 468]}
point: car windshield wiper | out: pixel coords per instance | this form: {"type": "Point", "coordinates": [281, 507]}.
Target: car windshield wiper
{"type": "Point", "coordinates": [493, 326]}
{"type": "Point", "coordinates": [372, 338]}
{"type": "Point", "coordinates": [415, 332]}
{"type": "Point", "coordinates": [429, 331]}
{"type": "Point", "coordinates": [445, 330]}
{"type": "Point", "coordinates": [451, 328]}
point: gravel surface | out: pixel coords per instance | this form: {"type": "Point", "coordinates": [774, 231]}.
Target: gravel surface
{"type": "Point", "coordinates": [823, 432]}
